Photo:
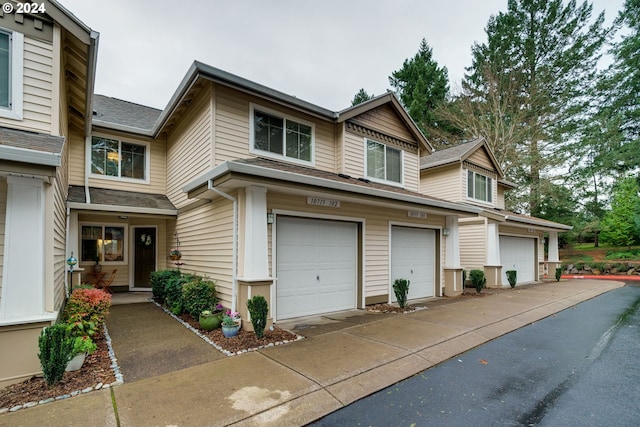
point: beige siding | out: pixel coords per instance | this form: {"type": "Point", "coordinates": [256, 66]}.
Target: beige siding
{"type": "Point", "coordinates": [232, 139]}
{"type": "Point", "coordinates": [411, 171]}
{"type": "Point", "coordinates": [354, 155]}
{"type": "Point", "coordinates": [37, 88]}
{"type": "Point", "coordinates": [76, 161]}
{"type": "Point", "coordinates": [385, 119]}
{"type": "Point", "coordinates": [500, 199]}
{"type": "Point", "coordinates": [60, 189]}
{"type": "Point", "coordinates": [3, 221]}
{"type": "Point", "coordinates": [444, 183]}
{"type": "Point", "coordinates": [375, 231]}
{"type": "Point", "coordinates": [472, 243]}
{"type": "Point", "coordinates": [189, 148]}
{"type": "Point", "coordinates": [481, 158]}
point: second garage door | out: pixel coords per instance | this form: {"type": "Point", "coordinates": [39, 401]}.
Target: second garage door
{"type": "Point", "coordinates": [316, 263]}
{"type": "Point", "coordinates": [518, 253]}
{"type": "Point", "coordinates": [413, 257]}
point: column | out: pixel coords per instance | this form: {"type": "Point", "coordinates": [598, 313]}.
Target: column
{"type": "Point", "coordinates": [554, 257]}
{"type": "Point", "coordinates": [453, 285]}
{"type": "Point", "coordinates": [493, 267]}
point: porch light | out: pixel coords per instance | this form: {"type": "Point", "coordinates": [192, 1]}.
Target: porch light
{"type": "Point", "coordinates": [270, 217]}
{"type": "Point", "coordinates": [446, 232]}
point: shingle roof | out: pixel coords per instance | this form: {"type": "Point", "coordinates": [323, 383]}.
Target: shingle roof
{"type": "Point", "coordinates": [103, 196]}
{"type": "Point", "coordinates": [449, 155]}
{"type": "Point", "coordinates": [31, 140]}
{"type": "Point", "coordinates": [118, 112]}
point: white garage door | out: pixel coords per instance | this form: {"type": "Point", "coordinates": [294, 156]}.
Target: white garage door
{"type": "Point", "coordinates": [413, 257]}
{"type": "Point", "coordinates": [518, 253]}
{"type": "Point", "coordinates": [316, 262]}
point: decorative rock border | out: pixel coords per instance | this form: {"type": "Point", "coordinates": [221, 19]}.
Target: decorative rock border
{"type": "Point", "coordinates": [99, 386]}
{"type": "Point", "coordinates": [216, 346]}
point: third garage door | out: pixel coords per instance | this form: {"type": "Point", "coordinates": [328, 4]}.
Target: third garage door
{"type": "Point", "coordinates": [316, 262]}
{"type": "Point", "coordinates": [518, 253]}
{"type": "Point", "coordinates": [413, 257]}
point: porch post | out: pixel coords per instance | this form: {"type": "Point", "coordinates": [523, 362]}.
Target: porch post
{"type": "Point", "coordinates": [453, 285]}
{"type": "Point", "coordinates": [554, 257]}
{"type": "Point", "coordinates": [493, 267]}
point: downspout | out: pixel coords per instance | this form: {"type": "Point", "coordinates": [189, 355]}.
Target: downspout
{"type": "Point", "coordinates": [66, 245]}
{"type": "Point", "coordinates": [234, 262]}
{"type": "Point", "coordinates": [87, 193]}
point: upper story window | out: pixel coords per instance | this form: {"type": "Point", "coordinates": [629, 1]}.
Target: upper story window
{"type": "Point", "coordinates": [479, 186]}
{"type": "Point", "coordinates": [118, 159]}
{"type": "Point", "coordinates": [280, 136]}
{"type": "Point", "coordinates": [383, 162]}
{"type": "Point", "coordinates": [11, 60]}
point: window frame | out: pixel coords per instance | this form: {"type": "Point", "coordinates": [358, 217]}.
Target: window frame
{"type": "Point", "coordinates": [473, 187]}
{"type": "Point", "coordinates": [16, 76]}
{"type": "Point", "coordinates": [104, 226]}
{"type": "Point", "coordinates": [285, 117]}
{"type": "Point", "coordinates": [385, 180]}
{"type": "Point", "coordinates": [120, 178]}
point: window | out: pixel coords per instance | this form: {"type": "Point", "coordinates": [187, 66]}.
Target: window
{"type": "Point", "coordinates": [11, 60]}
{"type": "Point", "coordinates": [102, 243]}
{"type": "Point", "coordinates": [383, 162]}
{"type": "Point", "coordinates": [282, 136]}
{"type": "Point", "coordinates": [479, 187]}
{"type": "Point", "coordinates": [110, 157]}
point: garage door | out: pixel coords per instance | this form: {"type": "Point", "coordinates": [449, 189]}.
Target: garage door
{"type": "Point", "coordinates": [518, 253]}
{"type": "Point", "coordinates": [413, 257]}
{"type": "Point", "coordinates": [316, 262]}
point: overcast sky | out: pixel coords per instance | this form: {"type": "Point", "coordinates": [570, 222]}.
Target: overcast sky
{"type": "Point", "coordinates": [321, 51]}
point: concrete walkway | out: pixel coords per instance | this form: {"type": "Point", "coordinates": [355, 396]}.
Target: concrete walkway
{"type": "Point", "coordinates": [345, 357]}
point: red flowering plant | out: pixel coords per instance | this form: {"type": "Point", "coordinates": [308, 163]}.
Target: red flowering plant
{"type": "Point", "coordinates": [86, 311]}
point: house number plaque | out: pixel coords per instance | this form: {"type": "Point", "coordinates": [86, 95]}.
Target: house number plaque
{"type": "Point", "coordinates": [416, 214]}
{"type": "Point", "coordinates": [317, 201]}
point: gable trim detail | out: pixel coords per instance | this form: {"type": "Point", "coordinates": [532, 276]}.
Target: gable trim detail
{"type": "Point", "coordinates": [367, 132]}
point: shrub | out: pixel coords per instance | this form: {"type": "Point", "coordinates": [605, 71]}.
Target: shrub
{"type": "Point", "coordinates": [82, 345]}
{"type": "Point", "coordinates": [558, 273]}
{"type": "Point", "coordinates": [258, 309]}
{"type": "Point", "coordinates": [401, 289]}
{"type": "Point", "coordinates": [198, 295]}
{"type": "Point", "coordinates": [621, 255]}
{"type": "Point", "coordinates": [173, 296]}
{"type": "Point", "coordinates": [86, 310]}
{"type": "Point", "coordinates": [55, 352]}
{"type": "Point", "coordinates": [512, 277]}
{"type": "Point", "coordinates": [160, 280]}
{"type": "Point", "coordinates": [477, 279]}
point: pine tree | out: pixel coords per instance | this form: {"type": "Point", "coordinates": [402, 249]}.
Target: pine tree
{"type": "Point", "coordinates": [360, 97]}
{"type": "Point", "coordinates": [621, 225]}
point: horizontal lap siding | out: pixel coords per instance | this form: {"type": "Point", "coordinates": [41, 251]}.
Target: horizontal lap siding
{"type": "Point", "coordinates": [37, 88]}
{"type": "Point", "coordinates": [472, 245]}
{"type": "Point", "coordinates": [443, 183]}
{"type": "Point", "coordinates": [376, 233]}
{"type": "Point", "coordinates": [411, 171]}
{"type": "Point", "coordinates": [384, 118]}
{"type": "Point", "coordinates": [76, 158]}
{"type": "Point", "coordinates": [481, 158]}
{"type": "Point", "coordinates": [59, 231]}
{"type": "Point", "coordinates": [354, 162]}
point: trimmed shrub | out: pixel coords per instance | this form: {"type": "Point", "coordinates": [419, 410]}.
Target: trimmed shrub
{"type": "Point", "coordinates": [55, 352]}
{"type": "Point", "coordinates": [160, 280]}
{"type": "Point", "coordinates": [477, 279]}
{"type": "Point", "coordinates": [173, 296]}
{"type": "Point", "coordinates": [258, 309]}
{"type": "Point", "coordinates": [86, 310]}
{"type": "Point", "coordinates": [558, 273]}
{"type": "Point", "coordinates": [199, 295]}
{"type": "Point", "coordinates": [512, 277]}
{"type": "Point", "coordinates": [401, 289]}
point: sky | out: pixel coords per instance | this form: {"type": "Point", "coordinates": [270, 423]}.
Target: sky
{"type": "Point", "coordinates": [320, 51]}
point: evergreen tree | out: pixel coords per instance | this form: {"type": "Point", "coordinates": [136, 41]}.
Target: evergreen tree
{"type": "Point", "coordinates": [421, 85]}
{"type": "Point", "coordinates": [621, 225]}
{"type": "Point", "coordinates": [361, 97]}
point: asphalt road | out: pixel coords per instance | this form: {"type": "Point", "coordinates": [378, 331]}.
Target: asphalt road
{"type": "Point", "coordinates": [580, 367]}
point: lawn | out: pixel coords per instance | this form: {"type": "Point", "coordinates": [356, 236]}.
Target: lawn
{"type": "Point", "coordinates": [586, 252]}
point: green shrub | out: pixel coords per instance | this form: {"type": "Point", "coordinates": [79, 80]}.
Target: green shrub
{"type": "Point", "coordinates": [401, 289]}
{"type": "Point", "coordinates": [86, 310]}
{"type": "Point", "coordinates": [258, 309]}
{"type": "Point", "coordinates": [621, 255]}
{"type": "Point", "coordinates": [55, 352]}
{"type": "Point", "coordinates": [82, 345]}
{"type": "Point", "coordinates": [464, 277]}
{"type": "Point", "coordinates": [477, 279]}
{"type": "Point", "coordinates": [512, 277]}
{"type": "Point", "coordinates": [600, 266]}
{"type": "Point", "coordinates": [619, 267]}
{"type": "Point", "coordinates": [160, 280]}
{"type": "Point", "coordinates": [558, 273]}
{"type": "Point", "coordinates": [173, 295]}
{"type": "Point", "coordinates": [198, 295]}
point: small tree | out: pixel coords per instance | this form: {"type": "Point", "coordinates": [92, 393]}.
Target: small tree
{"type": "Point", "coordinates": [360, 97]}
{"type": "Point", "coordinates": [477, 279]}
{"type": "Point", "coordinates": [258, 309]}
{"type": "Point", "coordinates": [401, 289]}
{"type": "Point", "coordinates": [56, 349]}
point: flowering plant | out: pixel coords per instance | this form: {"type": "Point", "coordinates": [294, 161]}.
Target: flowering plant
{"type": "Point", "coordinates": [228, 320]}
{"type": "Point", "coordinates": [233, 314]}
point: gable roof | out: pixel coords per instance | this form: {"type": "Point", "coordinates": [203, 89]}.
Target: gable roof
{"type": "Point", "coordinates": [458, 154]}
{"type": "Point", "coordinates": [123, 115]}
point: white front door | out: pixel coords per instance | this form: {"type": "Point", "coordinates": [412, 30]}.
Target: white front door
{"type": "Point", "coordinates": [316, 266]}
{"type": "Point", "coordinates": [518, 253]}
{"type": "Point", "coordinates": [413, 257]}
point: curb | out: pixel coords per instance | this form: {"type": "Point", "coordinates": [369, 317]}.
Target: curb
{"type": "Point", "coordinates": [602, 277]}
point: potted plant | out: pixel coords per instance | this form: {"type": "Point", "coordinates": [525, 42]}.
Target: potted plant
{"type": "Point", "coordinates": [81, 346]}
{"type": "Point", "coordinates": [512, 277]}
{"type": "Point", "coordinates": [230, 327]}
{"type": "Point", "coordinates": [210, 320]}
{"type": "Point", "coordinates": [175, 254]}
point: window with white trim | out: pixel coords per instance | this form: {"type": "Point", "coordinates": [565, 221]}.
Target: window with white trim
{"type": "Point", "coordinates": [479, 187]}
{"type": "Point", "coordinates": [119, 159]}
{"type": "Point", "coordinates": [102, 243]}
{"type": "Point", "coordinates": [383, 162]}
{"type": "Point", "coordinates": [11, 70]}
{"type": "Point", "coordinates": [281, 136]}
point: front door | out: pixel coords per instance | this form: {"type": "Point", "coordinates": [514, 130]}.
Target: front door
{"type": "Point", "coordinates": [145, 256]}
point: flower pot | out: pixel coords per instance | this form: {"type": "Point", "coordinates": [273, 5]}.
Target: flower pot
{"type": "Point", "coordinates": [230, 331]}
{"type": "Point", "coordinates": [97, 268]}
{"type": "Point", "coordinates": [76, 362]}
{"type": "Point", "coordinates": [209, 322]}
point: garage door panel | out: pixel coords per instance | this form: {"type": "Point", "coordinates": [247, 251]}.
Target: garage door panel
{"type": "Point", "coordinates": [413, 257]}
{"type": "Point", "coordinates": [316, 266]}
{"type": "Point", "coordinates": [518, 253]}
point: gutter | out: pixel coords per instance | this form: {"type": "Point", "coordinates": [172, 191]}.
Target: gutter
{"type": "Point", "coordinates": [25, 155]}
{"type": "Point", "coordinates": [234, 262]}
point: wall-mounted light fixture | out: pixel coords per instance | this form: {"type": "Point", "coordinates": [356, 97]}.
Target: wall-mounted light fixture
{"type": "Point", "coordinates": [270, 217]}
{"type": "Point", "coordinates": [446, 232]}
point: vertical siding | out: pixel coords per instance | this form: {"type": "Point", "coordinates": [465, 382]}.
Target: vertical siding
{"type": "Point", "coordinates": [443, 183]}
{"type": "Point", "coordinates": [37, 88]}
{"type": "Point", "coordinates": [189, 148]}
{"type": "Point", "coordinates": [472, 244]}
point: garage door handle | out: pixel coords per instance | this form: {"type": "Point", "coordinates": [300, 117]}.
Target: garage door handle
{"type": "Point", "coordinates": [411, 271]}
{"type": "Point", "coordinates": [317, 277]}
